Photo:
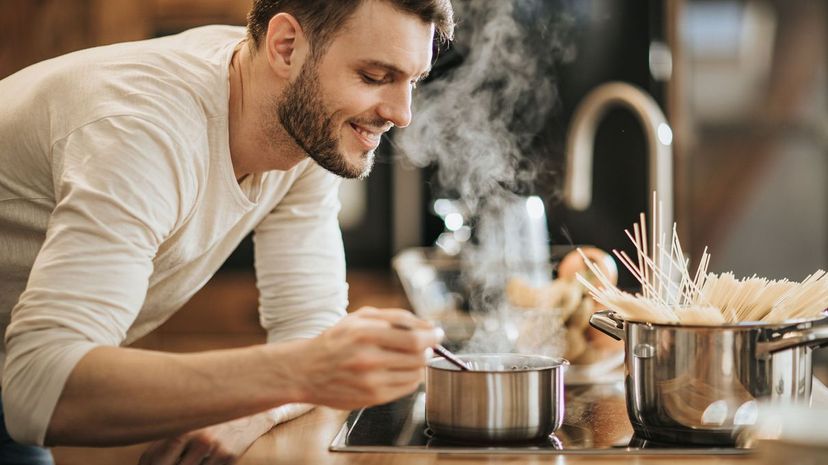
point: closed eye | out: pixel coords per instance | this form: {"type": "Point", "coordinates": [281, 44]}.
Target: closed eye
{"type": "Point", "coordinates": [375, 72]}
{"type": "Point", "coordinates": [368, 79]}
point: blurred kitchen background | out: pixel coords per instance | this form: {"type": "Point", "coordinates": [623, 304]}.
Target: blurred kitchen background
{"type": "Point", "coordinates": [743, 85]}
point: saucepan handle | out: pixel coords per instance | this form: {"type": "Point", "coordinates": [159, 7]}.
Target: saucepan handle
{"type": "Point", "coordinates": [810, 334]}
{"type": "Point", "coordinates": [608, 323]}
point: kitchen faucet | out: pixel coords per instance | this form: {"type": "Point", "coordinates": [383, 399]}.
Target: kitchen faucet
{"type": "Point", "coordinates": [581, 135]}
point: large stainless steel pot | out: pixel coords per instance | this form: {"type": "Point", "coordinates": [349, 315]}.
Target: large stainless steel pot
{"type": "Point", "coordinates": [504, 398]}
{"type": "Point", "coordinates": [700, 384]}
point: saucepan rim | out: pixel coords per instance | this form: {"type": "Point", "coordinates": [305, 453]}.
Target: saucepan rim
{"type": "Point", "coordinates": [733, 326]}
{"type": "Point", "coordinates": [553, 363]}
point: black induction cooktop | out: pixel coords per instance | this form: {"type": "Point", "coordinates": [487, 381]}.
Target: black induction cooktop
{"type": "Point", "coordinates": [595, 422]}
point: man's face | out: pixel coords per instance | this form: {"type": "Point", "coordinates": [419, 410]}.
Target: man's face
{"type": "Point", "coordinates": [339, 105]}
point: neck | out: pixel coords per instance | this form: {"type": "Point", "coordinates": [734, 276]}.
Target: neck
{"type": "Point", "coordinates": [258, 142]}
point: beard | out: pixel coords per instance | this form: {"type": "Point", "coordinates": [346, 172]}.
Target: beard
{"type": "Point", "coordinates": [302, 113]}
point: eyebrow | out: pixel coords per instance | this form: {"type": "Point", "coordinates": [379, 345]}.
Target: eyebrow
{"type": "Point", "coordinates": [393, 69]}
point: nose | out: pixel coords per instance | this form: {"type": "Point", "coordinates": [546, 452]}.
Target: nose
{"type": "Point", "coordinates": [396, 106]}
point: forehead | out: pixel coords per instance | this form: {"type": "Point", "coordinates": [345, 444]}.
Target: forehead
{"type": "Point", "coordinates": [379, 32]}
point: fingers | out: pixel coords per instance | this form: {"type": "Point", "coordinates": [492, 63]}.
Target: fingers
{"type": "Point", "coordinates": [191, 449]}
{"type": "Point", "coordinates": [374, 359]}
{"type": "Point", "coordinates": [402, 340]}
{"type": "Point", "coordinates": [218, 461]}
{"type": "Point", "coordinates": [371, 357]}
{"type": "Point", "coordinates": [218, 458]}
{"type": "Point", "coordinates": [194, 456]}
{"type": "Point", "coordinates": [402, 330]}
{"type": "Point", "coordinates": [164, 452]}
{"type": "Point", "coordinates": [402, 378]}
{"type": "Point", "coordinates": [388, 385]}
{"type": "Point", "coordinates": [395, 316]}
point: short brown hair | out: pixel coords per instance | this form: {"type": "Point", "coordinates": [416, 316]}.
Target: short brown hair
{"type": "Point", "coordinates": [322, 19]}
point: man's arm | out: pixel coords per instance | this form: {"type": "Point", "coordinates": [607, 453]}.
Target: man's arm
{"type": "Point", "coordinates": [65, 380]}
{"type": "Point", "coordinates": [120, 187]}
{"type": "Point", "coordinates": [121, 395]}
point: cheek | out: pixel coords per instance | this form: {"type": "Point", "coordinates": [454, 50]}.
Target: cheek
{"type": "Point", "coordinates": [354, 101]}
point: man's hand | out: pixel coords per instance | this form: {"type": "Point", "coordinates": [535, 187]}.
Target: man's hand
{"type": "Point", "coordinates": [215, 445]}
{"type": "Point", "coordinates": [370, 357]}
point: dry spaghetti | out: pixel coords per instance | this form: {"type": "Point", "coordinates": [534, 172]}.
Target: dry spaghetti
{"type": "Point", "coordinates": [670, 294]}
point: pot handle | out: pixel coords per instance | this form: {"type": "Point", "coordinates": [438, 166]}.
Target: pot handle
{"type": "Point", "coordinates": [608, 323]}
{"type": "Point", "coordinates": [807, 334]}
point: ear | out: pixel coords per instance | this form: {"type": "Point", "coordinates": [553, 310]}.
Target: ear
{"type": "Point", "coordinates": [285, 45]}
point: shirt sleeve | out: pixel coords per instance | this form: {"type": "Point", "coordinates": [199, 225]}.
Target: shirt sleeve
{"type": "Point", "coordinates": [300, 261]}
{"type": "Point", "coordinates": [118, 195]}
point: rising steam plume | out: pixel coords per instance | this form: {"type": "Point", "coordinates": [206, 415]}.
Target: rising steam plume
{"type": "Point", "coordinates": [478, 121]}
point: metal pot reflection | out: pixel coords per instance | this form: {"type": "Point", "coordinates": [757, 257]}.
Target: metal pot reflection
{"type": "Point", "coordinates": [505, 398]}
{"type": "Point", "coordinates": [699, 384]}
{"type": "Point", "coordinates": [549, 442]}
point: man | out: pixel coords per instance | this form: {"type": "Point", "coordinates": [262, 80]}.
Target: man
{"type": "Point", "coordinates": [128, 173]}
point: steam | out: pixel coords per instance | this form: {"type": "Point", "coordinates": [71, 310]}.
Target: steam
{"type": "Point", "coordinates": [477, 123]}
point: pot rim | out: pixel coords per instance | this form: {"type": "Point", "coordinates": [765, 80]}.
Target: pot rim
{"type": "Point", "coordinates": [735, 326]}
{"type": "Point", "coordinates": [553, 363]}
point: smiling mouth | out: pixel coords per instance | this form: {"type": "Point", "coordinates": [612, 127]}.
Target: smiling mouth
{"type": "Point", "coordinates": [370, 139]}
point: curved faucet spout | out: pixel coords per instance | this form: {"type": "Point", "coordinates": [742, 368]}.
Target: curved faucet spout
{"type": "Point", "coordinates": [581, 135]}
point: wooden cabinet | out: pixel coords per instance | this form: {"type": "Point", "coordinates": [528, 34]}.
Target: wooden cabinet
{"type": "Point", "coordinates": [32, 31]}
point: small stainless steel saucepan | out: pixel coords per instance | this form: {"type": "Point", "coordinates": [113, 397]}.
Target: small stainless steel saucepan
{"type": "Point", "coordinates": [502, 398]}
{"type": "Point", "coordinates": [701, 384]}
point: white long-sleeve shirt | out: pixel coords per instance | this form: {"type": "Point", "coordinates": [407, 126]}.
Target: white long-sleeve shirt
{"type": "Point", "coordinates": [118, 201]}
